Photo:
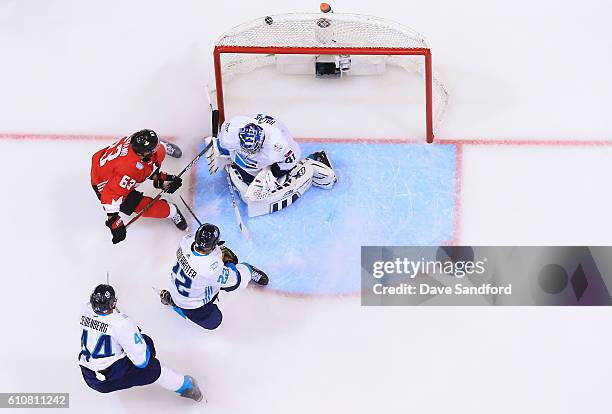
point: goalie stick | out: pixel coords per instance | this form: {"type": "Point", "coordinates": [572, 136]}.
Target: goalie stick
{"type": "Point", "coordinates": [215, 130]}
{"type": "Point", "coordinates": [243, 228]}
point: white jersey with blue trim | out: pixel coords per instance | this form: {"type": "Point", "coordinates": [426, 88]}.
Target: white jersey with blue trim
{"type": "Point", "coordinates": [196, 278]}
{"type": "Point", "coordinates": [108, 338]}
{"type": "Point", "coordinates": [278, 146]}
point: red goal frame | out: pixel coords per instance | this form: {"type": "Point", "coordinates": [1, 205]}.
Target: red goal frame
{"type": "Point", "coordinates": [425, 52]}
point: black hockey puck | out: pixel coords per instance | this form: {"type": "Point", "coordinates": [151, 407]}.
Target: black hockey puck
{"type": "Point", "coordinates": [268, 20]}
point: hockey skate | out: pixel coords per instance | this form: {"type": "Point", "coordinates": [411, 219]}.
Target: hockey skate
{"type": "Point", "coordinates": [165, 298]}
{"type": "Point", "coordinates": [179, 220]}
{"type": "Point", "coordinates": [193, 391]}
{"type": "Point", "coordinates": [259, 276]}
{"type": "Point", "coordinates": [172, 150]}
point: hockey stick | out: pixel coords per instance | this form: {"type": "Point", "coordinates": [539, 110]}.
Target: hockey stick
{"type": "Point", "coordinates": [215, 120]}
{"type": "Point", "coordinates": [190, 210]}
{"type": "Point", "coordinates": [243, 228]}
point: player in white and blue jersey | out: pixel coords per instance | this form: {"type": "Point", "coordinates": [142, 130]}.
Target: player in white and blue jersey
{"type": "Point", "coordinates": [265, 163]}
{"type": "Point", "coordinates": [115, 355]}
{"type": "Point", "coordinates": [203, 268]}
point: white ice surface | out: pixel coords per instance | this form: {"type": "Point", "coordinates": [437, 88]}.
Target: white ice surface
{"type": "Point", "coordinates": [513, 69]}
{"type": "Point", "coordinates": [516, 70]}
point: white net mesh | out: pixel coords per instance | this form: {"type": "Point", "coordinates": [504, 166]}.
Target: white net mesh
{"type": "Point", "coordinates": [317, 30]}
{"type": "Point", "coordinates": [323, 30]}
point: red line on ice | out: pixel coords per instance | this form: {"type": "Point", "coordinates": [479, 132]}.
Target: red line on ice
{"type": "Point", "coordinates": [67, 137]}
{"type": "Point", "coordinates": [528, 142]}
{"type": "Point", "coordinates": [476, 141]}
{"type": "Point", "coordinates": [459, 143]}
{"type": "Point", "coordinates": [58, 137]}
{"type": "Point", "coordinates": [362, 140]}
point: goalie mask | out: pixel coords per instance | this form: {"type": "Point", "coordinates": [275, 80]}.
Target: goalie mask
{"type": "Point", "coordinates": [251, 138]}
{"type": "Point", "coordinates": [207, 238]}
{"type": "Point", "coordinates": [103, 299]}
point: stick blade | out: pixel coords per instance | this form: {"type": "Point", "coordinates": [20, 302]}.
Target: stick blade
{"type": "Point", "coordinates": [245, 231]}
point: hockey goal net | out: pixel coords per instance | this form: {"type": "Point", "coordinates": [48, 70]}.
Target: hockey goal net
{"type": "Point", "coordinates": [328, 45]}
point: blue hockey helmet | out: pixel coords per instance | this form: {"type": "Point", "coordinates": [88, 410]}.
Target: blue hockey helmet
{"type": "Point", "coordinates": [251, 138]}
{"type": "Point", "coordinates": [103, 299]}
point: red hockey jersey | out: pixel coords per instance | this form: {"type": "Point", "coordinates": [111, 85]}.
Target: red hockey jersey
{"type": "Point", "coordinates": [117, 169]}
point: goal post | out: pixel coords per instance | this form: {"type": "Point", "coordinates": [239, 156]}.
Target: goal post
{"type": "Point", "coordinates": [333, 43]}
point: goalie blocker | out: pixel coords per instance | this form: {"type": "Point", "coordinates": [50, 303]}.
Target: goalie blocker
{"type": "Point", "coordinates": [261, 154]}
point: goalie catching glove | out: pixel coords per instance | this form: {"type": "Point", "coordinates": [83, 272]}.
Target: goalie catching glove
{"type": "Point", "coordinates": [170, 182]}
{"type": "Point", "coordinates": [218, 158]}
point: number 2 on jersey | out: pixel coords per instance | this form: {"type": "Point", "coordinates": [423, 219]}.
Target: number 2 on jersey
{"type": "Point", "coordinates": [181, 281]}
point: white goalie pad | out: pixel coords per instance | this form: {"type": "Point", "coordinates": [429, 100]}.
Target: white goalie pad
{"type": "Point", "coordinates": [240, 185]}
{"type": "Point", "coordinates": [266, 195]}
{"type": "Point", "coordinates": [323, 175]}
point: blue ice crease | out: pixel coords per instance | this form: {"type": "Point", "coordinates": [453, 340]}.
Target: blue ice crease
{"type": "Point", "coordinates": [387, 194]}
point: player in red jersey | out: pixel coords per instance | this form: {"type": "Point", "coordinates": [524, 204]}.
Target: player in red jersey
{"type": "Point", "coordinates": [117, 170]}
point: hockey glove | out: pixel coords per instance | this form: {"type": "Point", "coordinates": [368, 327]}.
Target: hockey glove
{"type": "Point", "coordinates": [116, 226]}
{"type": "Point", "coordinates": [228, 256]}
{"type": "Point", "coordinates": [169, 181]}
{"type": "Point", "coordinates": [217, 157]}
{"type": "Point", "coordinates": [261, 186]}
{"type": "Point", "coordinates": [174, 183]}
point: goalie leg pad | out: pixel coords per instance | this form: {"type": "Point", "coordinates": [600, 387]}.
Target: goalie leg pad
{"type": "Point", "coordinates": [238, 182]}
{"type": "Point", "coordinates": [267, 199]}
